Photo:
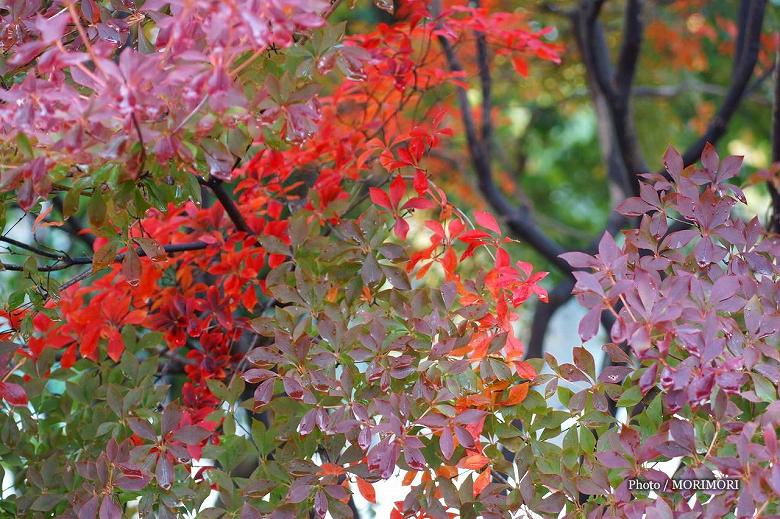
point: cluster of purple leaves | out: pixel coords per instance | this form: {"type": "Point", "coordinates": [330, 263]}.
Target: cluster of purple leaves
{"type": "Point", "coordinates": [695, 292]}
{"type": "Point", "coordinates": [114, 82]}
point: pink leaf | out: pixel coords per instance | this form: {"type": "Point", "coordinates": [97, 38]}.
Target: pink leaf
{"type": "Point", "coordinates": [487, 221]}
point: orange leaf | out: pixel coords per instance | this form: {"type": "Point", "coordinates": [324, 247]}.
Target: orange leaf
{"type": "Point", "coordinates": [329, 469]}
{"type": "Point", "coordinates": [447, 471]}
{"type": "Point", "coordinates": [409, 478]}
{"type": "Point", "coordinates": [481, 482]}
{"type": "Point", "coordinates": [516, 394]}
{"type": "Point", "coordinates": [366, 490]}
{"type": "Point", "coordinates": [474, 462]}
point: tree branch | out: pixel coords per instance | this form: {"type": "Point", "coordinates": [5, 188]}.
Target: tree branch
{"type": "Point", "coordinates": [629, 51]}
{"type": "Point", "coordinates": [518, 219]}
{"type": "Point", "coordinates": [744, 64]}
{"type": "Point", "coordinates": [218, 188]}
{"type": "Point", "coordinates": [30, 248]}
{"type": "Point", "coordinates": [773, 224]}
{"type": "Point", "coordinates": [73, 226]}
{"type": "Point", "coordinates": [590, 37]}
{"type": "Point", "coordinates": [65, 262]}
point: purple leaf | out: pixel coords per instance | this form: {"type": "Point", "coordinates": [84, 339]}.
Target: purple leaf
{"type": "Point", "coordinates": [142, 428]}
{"type": "Point", "coordinates": [320, 503]}
{"type": "Point", "coordinates": [89, 509]}
{"type": "Point", "coordinates": [264, 393]}
{"type": "Point", "coordinates": [292, 387]}
{"type": "Point", "coordinates": [446, 443]}
{"type": "Point", "coordinates": [710, 159]}
{"type": "Point", "coordinates": [571, 373]}
{"type": "Point", "coordinates": [648, 378]}
{"type": "Point", "coordinates": [614, 374]}
{"type": "Point", "coordinates": [191, 434]}
{"type": "Point", "coordinates": [613, 460]}
{"type": "Point", "coordinates": [298, 492]}
{"type": "Point", "coordinates": [164, 472]}
{"type": "Point", "coordinates": [587, 282]}
{"type": "Point", "coordinates": [109, 509]}
{"type": "Point", "coordinates": [589, 325]}
{"type": "Point", "coordinates": [470, 416]}
{"type": "Point", "coordinates": [578, 260]}
{"type": "Point", "coordinates": [414, 458]}
{"type": "Point", "coordinates": [256, 375]}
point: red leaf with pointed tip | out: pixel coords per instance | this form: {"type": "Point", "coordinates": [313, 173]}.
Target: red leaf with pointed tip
{"type": "Point", "coordinates": [487, 221]}
{"type": "Point", "coordinates": [379, 197]}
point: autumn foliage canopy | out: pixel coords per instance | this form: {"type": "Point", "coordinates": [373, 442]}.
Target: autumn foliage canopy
{"type": "Point", "coordinates": [280, 305]}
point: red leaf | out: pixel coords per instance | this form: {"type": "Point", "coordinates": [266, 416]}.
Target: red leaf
{"type": "Point", "coordinates": [366, 490]}
{"type": "Point", "coordinates": [397, 190]}
{"type": "Point", "coordinates": [131, 266]}
{"type": "Point", "coordinates": [115, 345]}
{"type": "Point", "coordinates": [487, 221]}
{"type": "Point", "coordinates": [419, 202]}
{"type": "Point", "coordinates": [401, 228]}
{"type": "Point", "coordinates": [379, 197]}
{"type": "Point", "coordinates": [420, 182]}
{"type": "Point", "coordinates": [520, 65]}
{"type": "Point", "coordinates": [525, 370]}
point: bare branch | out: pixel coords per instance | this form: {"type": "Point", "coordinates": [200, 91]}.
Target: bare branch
{"type": "Point", "coordinates": [30, 248]}
{"type": "Point", "coordinates": [590, 38]}
{"type": "Point", "coordinates": [744, 64]}
{"type": "Point", "coordinates": [629, 52]}
{"type": "Point", "coordinates": [218, 188]}
{"type": "Point", "coordinates": [64, 262]}
{"type": "Point", "coordinates": [774, 219]}
{"type": "Point", "coordinates": [73, 226]}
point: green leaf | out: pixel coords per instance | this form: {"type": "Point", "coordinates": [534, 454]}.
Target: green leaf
{"type": "Point", "coordinates": [765, 390]}
{"type": "Point", "coordinates": [587, 439]}
{"type": "Point", "coordinates": [70, 204]}
{"type": "Point", "coordinates": [96, 210]}
{"type": "Point", "coordinates": [630, 397]}
{"type": "Point", "coordinates": [46, 502]}
{"type": "Point", "coordinates": [219, 389]}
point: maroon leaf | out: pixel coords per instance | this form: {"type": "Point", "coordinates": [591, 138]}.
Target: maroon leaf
{"type": "Point", "coordinates": [142, 428]}
{"type": "Point", "coordinates": [191, 434]}
{"type": "Point", "coordinates": [14, 394]}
